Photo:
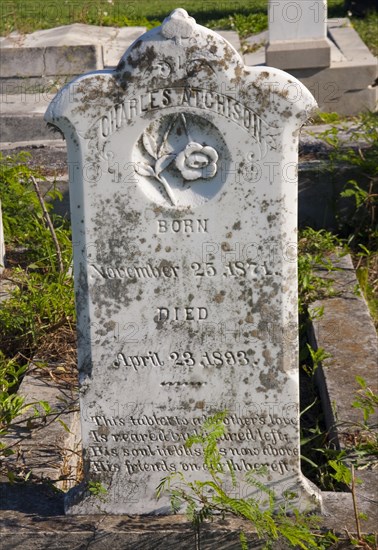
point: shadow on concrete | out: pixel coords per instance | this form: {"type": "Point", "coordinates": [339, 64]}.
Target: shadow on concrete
{"type": "Point", "coordinates": [31, 499]}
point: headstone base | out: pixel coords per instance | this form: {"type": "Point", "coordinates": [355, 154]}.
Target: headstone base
{"type": "Point", "coordinates": [299, 54]}
{"type": "Point", "coordinates": [79, 501]}
{"type": "Point", "coordinates": [89, 505]}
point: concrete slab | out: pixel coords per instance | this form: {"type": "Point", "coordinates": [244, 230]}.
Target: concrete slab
{"type": "Point", "coordinates": [33, 85]}
{"type": "Point", "coordinates": [41, 444]}
{"type": "Point", "coordinates": [22, 116]}
{"type": "Point", "coordinates": [350, 43]}
{"type": "Point", "coordinates": [25, 104]}
{"type": "Point", "coordinates": [113, 41]}
{"type": "Point", "coordinates": [344, 88]}
{"type": "Point", "coordinates": [30, 127]}
{"type": "Point", "coordinates": [346, 331]}
{"type": "Point", "coordinates": [49, 61]}
{"type": "Point", "coordinates": [29, 62]}
{"type": "Point", "coordinates": [24, 527]}
{"type": "Point", "coordinates": [337, 55]}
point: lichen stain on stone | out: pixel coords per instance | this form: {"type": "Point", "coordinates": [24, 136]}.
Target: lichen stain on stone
{"type": "Point", "coordinates": [267, 356]}
{"type": "Point", "coordinates": [103, 430]}
{"type": "Point", "coordinates": [219, 298]}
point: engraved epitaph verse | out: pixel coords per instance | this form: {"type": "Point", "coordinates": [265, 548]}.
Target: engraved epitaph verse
{"type": "Point", "coordinates": [183, 207]}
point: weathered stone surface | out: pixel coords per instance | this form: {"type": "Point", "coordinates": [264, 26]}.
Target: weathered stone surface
{"type": "Point", "coordinates": [183, 207]}
{"type": "Point", "coordinates": [319, 203]}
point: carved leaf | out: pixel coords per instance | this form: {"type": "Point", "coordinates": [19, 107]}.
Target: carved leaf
{"type": "Point", "coordinates": [163, 162]}
{"type": "Point", "coordinates": [166, 133]}
{"type": "Point", "coordinates": [144, 169]}
{"type": "Point", "coordinates": [150, 145]}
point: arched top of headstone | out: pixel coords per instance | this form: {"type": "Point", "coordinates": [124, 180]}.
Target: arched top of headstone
{"type": "Point", "coordinates": [180, 50]}
{"type": "Point", "coordinates": [180, 54]}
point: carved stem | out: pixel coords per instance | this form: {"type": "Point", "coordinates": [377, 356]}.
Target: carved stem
{"type": "Point", "coordinates": [186, 128]}
{"type": "Point", "coordinates": [166, 134]}
{"type": "Point", "coordinates": [168, 190]}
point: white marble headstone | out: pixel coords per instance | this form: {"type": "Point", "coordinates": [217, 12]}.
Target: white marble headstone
{"type": "Point", "coordinates": [183, 190]}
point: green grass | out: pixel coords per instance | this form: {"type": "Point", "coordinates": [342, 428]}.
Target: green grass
{"type": "Point", "coordinates": [367, 29]}
{"type": "Point", "coordinates": [244, 16]}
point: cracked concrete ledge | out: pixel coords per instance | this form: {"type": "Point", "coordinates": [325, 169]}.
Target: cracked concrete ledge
{"type": "Point", "coordinates": [346, 331]}
{"type": "Point", "coordinates": [31, 530]}
{"type": "Point", "coordinates": [43, 445]}
{"type": "Point", "coordinates": [32, 512]}
{"type": "Point", "coordinates": [112, 41]}
{"type": "Point", "coordinates": [21, 63]}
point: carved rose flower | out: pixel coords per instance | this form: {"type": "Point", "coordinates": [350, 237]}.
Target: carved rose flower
{"type": "Point", "coordinates": [197, 161]}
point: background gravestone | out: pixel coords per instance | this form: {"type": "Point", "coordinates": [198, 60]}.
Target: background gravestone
{"type": "Point", "coordinates": [298, 35]}
{"type": "Point", "coordinates": [183, 202]}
